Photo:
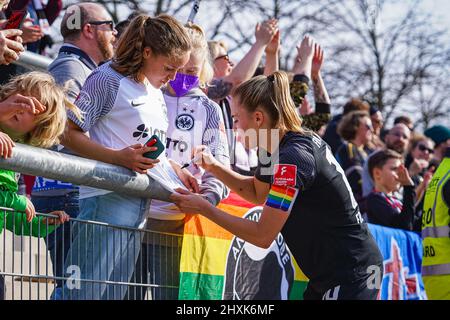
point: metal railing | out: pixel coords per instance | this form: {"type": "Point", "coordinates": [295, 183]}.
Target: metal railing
{"type": "Point", "coordinates": [81, 171]}
{"type": "Point", "coordinates": [26, 262]}
{"type": "Point", "coordinates": [35, 268]}
{"type": "Point", "coordinates": [33, 61]}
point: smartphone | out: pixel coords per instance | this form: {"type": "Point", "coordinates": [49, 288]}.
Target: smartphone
{"type": "Point", "coordinates": [154, 141]}
{"type": "Point", "coordinates": [16, 19]}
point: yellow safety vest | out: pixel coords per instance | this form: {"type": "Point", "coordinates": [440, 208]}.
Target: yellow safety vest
{"type": "Point", "coordinates": [435, 225]}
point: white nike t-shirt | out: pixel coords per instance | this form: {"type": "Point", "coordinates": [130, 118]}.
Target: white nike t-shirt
{"type": "Point", "coordinates": [120, 112]}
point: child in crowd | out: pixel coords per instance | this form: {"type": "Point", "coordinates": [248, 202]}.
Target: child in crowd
{"type": "Point", "coordinates": [389, 174]}
{"type": "Point", "coordinates": [32, 111]}
{"type": "Point", "coordinates": [123, 107]}
{"type": "Point", "coordinates": [194, 120]}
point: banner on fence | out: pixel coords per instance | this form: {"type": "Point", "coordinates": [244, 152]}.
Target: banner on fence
{"type": "Point", "coordinates": [216, 265]}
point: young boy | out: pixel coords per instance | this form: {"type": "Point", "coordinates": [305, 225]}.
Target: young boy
{"type": "Point", "coordinates": [389, 174]}
{"type": "Point", "coordinates": [32, 111]}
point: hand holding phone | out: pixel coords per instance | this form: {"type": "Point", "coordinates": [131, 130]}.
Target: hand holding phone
{"type": "Point", "coordinates": [16, 19]}
{"type": "Point", "coordinates": [154, 141]}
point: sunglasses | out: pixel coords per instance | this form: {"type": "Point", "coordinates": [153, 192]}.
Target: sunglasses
{"type": "Point", "coordinates": [110, 23]}
{"type": "Point", "coordinates": [425, 148]}
{"type": "Point", "coordinates": [225, 56]}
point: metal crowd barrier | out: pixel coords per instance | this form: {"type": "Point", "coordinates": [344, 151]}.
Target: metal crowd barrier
{"type": "Point", "coordinates": [33, 61]}
{"type": "Point", "coordinates": [27, 272]}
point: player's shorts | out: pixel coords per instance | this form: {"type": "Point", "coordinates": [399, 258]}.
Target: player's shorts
{"type": "Point", "coordinates": [366, 288]}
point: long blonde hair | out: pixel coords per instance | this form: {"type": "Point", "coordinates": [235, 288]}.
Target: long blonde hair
{"type": "Point", "coordinates": [272, 94]}
{"type": "Point", "coordinates": [200, 46]}
{"type": "Point", "coordinates": [51, 123]}
{"type": "Point", "coordinates": [164, 35]}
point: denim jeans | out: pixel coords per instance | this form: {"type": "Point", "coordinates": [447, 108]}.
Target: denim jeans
{"type": "Point", "coordinates": [100, 253]}
{"type": "Point", "coordinates": [58, 242]}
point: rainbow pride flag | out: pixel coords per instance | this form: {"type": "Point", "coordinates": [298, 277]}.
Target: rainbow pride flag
{"type": "Point", "coordinates": [216, 265]}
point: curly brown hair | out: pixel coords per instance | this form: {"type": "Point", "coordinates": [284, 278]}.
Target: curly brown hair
{"type": "Point", "coordinates": [355, 104]}
{"type": "Point", "coordinates": [349, 124]}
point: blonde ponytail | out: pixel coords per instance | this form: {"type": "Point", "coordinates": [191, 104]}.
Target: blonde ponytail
{"type": "Point", "coordinates": [272, 94]}
{"type": "Point", "coordinates": [200, 47]}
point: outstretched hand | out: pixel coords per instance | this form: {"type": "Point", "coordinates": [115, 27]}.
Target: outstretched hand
{"type": "Point", "coordinates": [274, 45]}
{"type": "Point", "coordinates": [317, 61]}
{"type": "Point", "coordinates": [305, 50]}
{"type": "Point", "coordinates": [189, 202]}
{"type": "Point", "coordinates": [305, 53]}
{"type": "Point", "coordinates": [264, 32]}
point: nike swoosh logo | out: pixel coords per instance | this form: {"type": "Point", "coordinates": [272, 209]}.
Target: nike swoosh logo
{"type": "Point", "coordinates": [137, 104]}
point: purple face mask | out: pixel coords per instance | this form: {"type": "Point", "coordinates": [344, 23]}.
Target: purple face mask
{"type": "Point", "coordinates": [183, 83]}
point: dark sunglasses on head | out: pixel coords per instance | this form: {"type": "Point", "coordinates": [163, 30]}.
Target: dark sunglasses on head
{"type": "Point", "coordinates": [110, 23]}
{"type": "Point", "coordinates": [424, 148]}
{"type": "Point", "coordinates": [225, 56]}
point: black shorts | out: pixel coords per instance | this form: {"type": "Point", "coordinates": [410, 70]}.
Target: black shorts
{"type": "Point", "coordinates": [361, 289]}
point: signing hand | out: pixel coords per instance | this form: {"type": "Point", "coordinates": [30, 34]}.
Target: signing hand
{"type": "Point", "coordinates": [189, 202]}
{"type": "Point", "coordinates": [204, 158]}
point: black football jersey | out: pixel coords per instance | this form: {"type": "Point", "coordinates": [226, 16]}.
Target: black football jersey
{"type": "Point", "coordinates": [325, 230]}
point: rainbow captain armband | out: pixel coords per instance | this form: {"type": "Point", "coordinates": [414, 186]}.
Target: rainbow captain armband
{"type": "Point", "coordinates": [281, 197]}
